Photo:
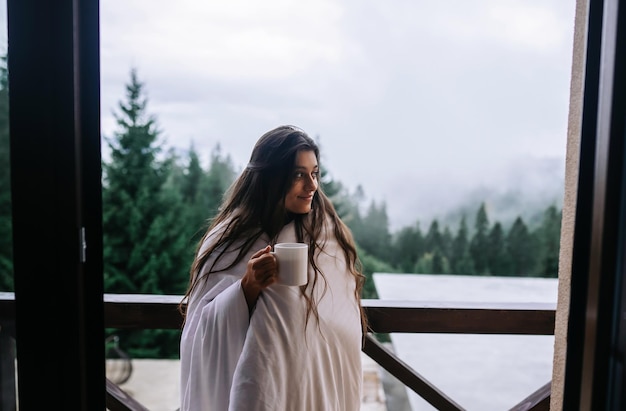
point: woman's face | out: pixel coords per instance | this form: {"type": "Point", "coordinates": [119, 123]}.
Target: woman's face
{"type": "Point", "coordinates": [305, 180]}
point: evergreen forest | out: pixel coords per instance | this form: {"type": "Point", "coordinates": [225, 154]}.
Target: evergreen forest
{"type": "Point", "coordinates": [157, 203]}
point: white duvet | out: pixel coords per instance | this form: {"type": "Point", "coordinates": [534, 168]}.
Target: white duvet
{"type": "Point", "coordinates": [231, 360]}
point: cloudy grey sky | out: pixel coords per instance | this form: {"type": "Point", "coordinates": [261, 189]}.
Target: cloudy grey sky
{"type": "Point", "coordinates": [420, 102]}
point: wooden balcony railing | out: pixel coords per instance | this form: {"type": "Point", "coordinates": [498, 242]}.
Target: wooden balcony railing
{"type": "Point", "coordinates": [135, 311]}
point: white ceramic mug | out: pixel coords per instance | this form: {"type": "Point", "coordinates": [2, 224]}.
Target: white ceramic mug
{"type": "Point", "coordinates": [293, 263]}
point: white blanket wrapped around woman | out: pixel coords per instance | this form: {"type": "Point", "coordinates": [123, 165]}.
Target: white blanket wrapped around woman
{"type": "Point", "coordinates": [272, 359]}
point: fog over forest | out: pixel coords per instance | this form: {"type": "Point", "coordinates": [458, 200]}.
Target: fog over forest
{"type": "Point", "coordinates": [523, 189]}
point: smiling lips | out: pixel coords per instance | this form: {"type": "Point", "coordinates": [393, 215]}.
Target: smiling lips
{"type": "Point", "coordinates": [306, 197]}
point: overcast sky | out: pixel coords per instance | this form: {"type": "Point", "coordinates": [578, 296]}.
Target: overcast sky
{"type": "Point", "coordinates": [414, 100]}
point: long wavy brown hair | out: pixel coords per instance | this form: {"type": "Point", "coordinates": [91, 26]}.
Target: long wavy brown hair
{"type": "Point", "coordinates": [254, 205]}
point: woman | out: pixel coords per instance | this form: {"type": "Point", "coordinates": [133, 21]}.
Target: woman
{"type": "Point", "coordinates": [249, 343]}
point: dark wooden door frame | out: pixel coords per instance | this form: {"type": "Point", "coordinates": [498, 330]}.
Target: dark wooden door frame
{"type": "Point", "coordinates": [54, 98]}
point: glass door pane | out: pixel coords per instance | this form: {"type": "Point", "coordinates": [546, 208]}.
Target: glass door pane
{"type": "Point", "coordinates": [426, 112]}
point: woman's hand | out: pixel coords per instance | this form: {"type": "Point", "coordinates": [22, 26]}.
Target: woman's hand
{"type": "Point", "coordinates": [260, 273]}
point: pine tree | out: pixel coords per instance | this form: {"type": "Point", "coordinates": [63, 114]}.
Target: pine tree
{"type": "Point", "coordinates": [131, 181]}
{"type": "Point", "coordinates": [497, 257]}
{"type": "Point", "coordinates": [440, 263]}
{"type": "Point", "coordinates": [372, 234]}
{"type": "Point", "coordinates": [460, 258]}
{"type": "Point", "coordinates": [203, 191]}
{"type": "Point", "coordinates": [433, 240]}
{"type": "Point", "coordinates": [220, 176]}
{"type": "Point", "coordinates": [479, 244]}
{"type": "Point", "coordinates": [549, 237]}
{"type": "Point", "coordinates": [192, 178]}
{"type": "Point", "coordinates": [520, 247]}
{"type": "Point", "coordinates": [407, 247]}
{"type": "Point", "coordinates": [145, 248]}
{"type": "Point", "coordinates": [465, 266]}
{"type": "Point", "coordinates": [446, 243]}
{"type": "Point", "coordinates": [6, 236]}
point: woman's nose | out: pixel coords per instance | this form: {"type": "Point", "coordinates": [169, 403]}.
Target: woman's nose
{"type": "Point", "coordinates": [311, 183]}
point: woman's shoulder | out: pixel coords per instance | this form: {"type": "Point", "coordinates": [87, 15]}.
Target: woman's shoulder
{"type": "Point", "coordinates": [213, 235]}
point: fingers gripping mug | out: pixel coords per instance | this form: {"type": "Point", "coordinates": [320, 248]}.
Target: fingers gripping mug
{"type": "Point", "coordinates": [293, 263]}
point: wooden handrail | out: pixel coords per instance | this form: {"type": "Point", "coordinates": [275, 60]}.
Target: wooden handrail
{"type": "Point", "coordinates": [149, 311]}
{"type": "Point", "coordinates": [389, 316]}
{"type": "Point", "coordinates": [142, 311]}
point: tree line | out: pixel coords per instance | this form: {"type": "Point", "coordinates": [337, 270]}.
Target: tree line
{"type": "Point", "coordinates": [158, 202]}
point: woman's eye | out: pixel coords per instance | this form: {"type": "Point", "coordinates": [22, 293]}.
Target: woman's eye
{"type": "Point", "coordinates": [314, 175]}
